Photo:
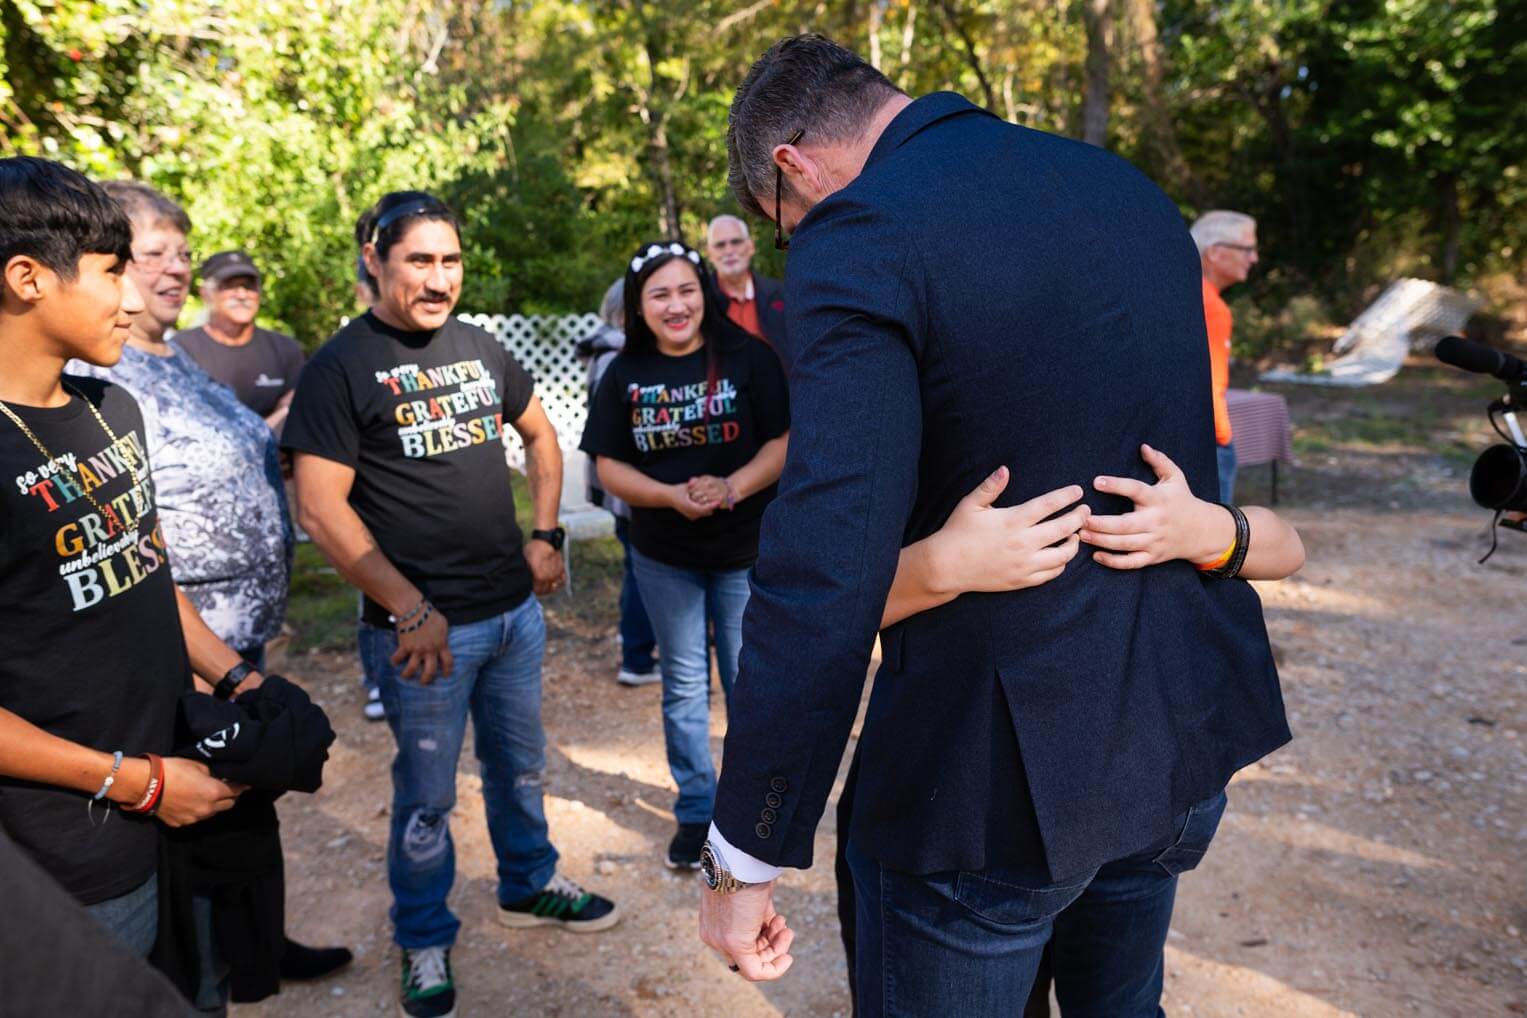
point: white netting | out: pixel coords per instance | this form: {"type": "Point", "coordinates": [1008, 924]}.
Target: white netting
{"type": "Point", "coordinates": [543, 345]}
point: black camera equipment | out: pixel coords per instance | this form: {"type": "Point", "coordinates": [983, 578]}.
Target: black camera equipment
{"type": "Point", "coordinates": [1498, 480]}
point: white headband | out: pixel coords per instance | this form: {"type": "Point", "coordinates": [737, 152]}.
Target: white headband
{"type": "Point", "coordinates": [654, 250]}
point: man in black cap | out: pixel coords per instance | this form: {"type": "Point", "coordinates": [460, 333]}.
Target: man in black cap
{"type": "Point", "coordinates": [260, 366]}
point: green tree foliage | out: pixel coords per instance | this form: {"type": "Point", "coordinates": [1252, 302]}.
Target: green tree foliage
{"type": "Point", "coordinates": [1369, 137]}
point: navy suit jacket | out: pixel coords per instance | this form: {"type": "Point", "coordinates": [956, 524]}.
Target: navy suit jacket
{"type": "Point", "coordinates": [985, 294]}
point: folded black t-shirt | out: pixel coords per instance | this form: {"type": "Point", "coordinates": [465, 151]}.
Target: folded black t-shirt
{"type": "Point", "coordinates": [91, 648]}
{"type": "Point", "coordinates": [421, 417]}
{"type": "Point", "coordinates": [668, 418]}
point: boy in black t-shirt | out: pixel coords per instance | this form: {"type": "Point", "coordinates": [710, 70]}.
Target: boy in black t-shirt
{"type": "Point", "coordinates": [397, 433]}
{"type": "Point", "coordinates": [97, 644]}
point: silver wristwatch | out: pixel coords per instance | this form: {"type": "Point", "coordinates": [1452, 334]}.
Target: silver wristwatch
{"type": "Point", "coordinates": [717, 877]}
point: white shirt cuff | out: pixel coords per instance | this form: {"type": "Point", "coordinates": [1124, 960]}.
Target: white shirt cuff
{"type": "Point", "coordinates": [741, 865]}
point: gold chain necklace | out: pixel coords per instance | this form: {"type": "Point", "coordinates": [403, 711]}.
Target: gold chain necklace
{"type": "Point", "coordinates": [49, 457]}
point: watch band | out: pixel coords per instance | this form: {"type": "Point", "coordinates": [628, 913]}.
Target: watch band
{"type": "Point", "coordinates": [229, 682]}
{"type": "Point", "coordinates": [555, 537]}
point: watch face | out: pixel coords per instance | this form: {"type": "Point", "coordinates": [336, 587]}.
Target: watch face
{"type": "Point", "coordinates": [708, 868]}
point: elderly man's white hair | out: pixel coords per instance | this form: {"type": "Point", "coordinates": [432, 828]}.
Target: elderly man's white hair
{"type": "Point", "coordinates": [1220, 226]}
{"type": "Point", "coordinates": [725, 217]}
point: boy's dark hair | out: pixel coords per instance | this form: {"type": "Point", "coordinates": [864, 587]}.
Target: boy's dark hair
{"type": "Point", "coordinates": [385, 223]}
{"type": "Point", "coordinates": [804, 83]}
{"type": "Point", "coordinates": [56, 215]}
{"type": "Point", "coordinates": [146, 206]}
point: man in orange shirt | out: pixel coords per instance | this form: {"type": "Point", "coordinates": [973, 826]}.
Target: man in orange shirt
{"type": "Point", "coordinates": [754, 302]}
{"type": "Point", "coordinates": [1227, 244]}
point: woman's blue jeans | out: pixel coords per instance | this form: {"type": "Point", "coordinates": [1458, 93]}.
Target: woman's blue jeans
{"type": "Point", "coordinates": [496, 679]}
{"type": "Point", "coordinates": [637, 641]}
{"type": "Point", "coordinates": [676, 601]}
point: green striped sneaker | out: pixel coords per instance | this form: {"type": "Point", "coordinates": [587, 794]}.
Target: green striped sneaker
{"type": "Point", "coordinates": [561, 903]}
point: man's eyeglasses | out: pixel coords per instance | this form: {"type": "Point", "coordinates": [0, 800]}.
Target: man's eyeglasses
{"type": "Point", "coordinates": [154, 261]}
{"type": "Point", "coordinates": [781, 242]}
{"type": "Point", "coordinates": [1243, 248]}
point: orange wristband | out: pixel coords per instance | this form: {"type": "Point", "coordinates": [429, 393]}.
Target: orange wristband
{"type": "Point", "coordinates": [1204, 567]}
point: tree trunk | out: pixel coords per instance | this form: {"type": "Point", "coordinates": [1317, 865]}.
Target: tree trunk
{"type": "Point", "coordinates": [1452, 228]}
{"type": "Point", "coordinates": [668, 195]}
{"type": "Point", "coordinates": [968, 50]}
{"type": "Point", "coordinates": [1164, 154]}
{"type": "Point", "coordinates": [876, 18]}
{"type": "Point", "coordinates": [1099, 23]}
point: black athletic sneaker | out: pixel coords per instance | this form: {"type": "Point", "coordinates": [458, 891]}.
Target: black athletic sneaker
{"type": "Point", "coordinates": [561, 903]}
{"type": "Point", "coordinates": [684, 849]}
{"type": "Point", "coordinates": [428, 991]}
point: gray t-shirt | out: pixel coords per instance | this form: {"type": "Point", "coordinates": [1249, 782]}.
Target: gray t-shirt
{"type": "Point", "coordinates": [260, 372]}
{"type": "Point", "coordinates": [217, 478]}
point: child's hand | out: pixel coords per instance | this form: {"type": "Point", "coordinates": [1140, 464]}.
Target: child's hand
{"type": "Point", "coordinates": [1168, 521]}
{"type": "Point", "coordinates": [981, 548]}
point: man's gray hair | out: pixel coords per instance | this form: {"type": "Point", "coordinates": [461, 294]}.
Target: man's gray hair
{"type": "Point", "coordinates": [613, 308]}
{"type": "Point", "coordinates": [726, 217]}
{"type": "Point", "coordinates": [804, 83]}
{"type": "Point", "coordinates": [1220, 226]}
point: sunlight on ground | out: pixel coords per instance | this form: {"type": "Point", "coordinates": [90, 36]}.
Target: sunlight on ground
{"type": "Point", "coordinates": [1205, 981]}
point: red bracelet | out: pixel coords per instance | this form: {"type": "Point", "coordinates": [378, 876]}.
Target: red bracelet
{"type": "Point", "coordinates": [151, 794]}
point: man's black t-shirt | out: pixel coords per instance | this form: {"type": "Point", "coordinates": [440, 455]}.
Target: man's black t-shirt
{"type": "Point", "coordinates": [421, 416]}
{"type": "Point", "coordinates": [91, 648]}
{"type": "Point", "coordinates": [260, 372]}
{"type": "Point", "coordinates": [666, 418]}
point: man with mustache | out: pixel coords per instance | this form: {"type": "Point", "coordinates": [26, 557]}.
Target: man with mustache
{"type": "Point", "coordinates": [260, 366]}
{"type": "Point", "coordinates": [398, 436]}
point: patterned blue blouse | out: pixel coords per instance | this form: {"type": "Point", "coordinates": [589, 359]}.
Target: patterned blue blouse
{"type": "Point", "coordinates": [217, 479]}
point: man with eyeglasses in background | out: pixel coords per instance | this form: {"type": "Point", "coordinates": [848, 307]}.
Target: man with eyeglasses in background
{"type": "Point", "coordinates": [755, 302]}
{"type": "Point", "coordinates": [260, 366]}
{"type": "Point", "coordinates": [1227, 245]}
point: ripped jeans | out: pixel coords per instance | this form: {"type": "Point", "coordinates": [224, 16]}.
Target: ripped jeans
{"type": "Point", "coordinates": [497, 680]}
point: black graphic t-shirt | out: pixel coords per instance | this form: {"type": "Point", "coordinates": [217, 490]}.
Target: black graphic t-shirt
{"type": "Point", "coordinates": [664, 416]}
{"type": "Point", "coordinates": [260, 372]}
{"type": "Point", "coordinates": [421, 418]}
{"type": "Point", "coordinates": [91, 648]}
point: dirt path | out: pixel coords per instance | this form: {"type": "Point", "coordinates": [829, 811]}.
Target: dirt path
{"type": "Point", "coordinates": [1372, 867]}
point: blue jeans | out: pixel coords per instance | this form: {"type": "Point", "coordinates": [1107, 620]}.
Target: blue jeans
{"type": "Point", "coordinates": [1225, 457]}
{"type": "Point", "coordinates": [637, 641]}
{"type": "Point", "coordinates": [496, 679]}
{"type": "Point", "coordinates": [970, 943]}
{"type": "Point", "coordinates": [676, 602]}
{"type": "Point", "coordinates": [132, 917]}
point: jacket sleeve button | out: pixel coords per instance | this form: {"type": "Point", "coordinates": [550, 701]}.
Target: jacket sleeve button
{"type": "Point", "coordinates": [763, 831]}
{"type": "Point", "coordinates": [773, 800]}
{"type": "Point", "coordinates": [779, 785]}
{"type": "Point", "coordinates": [768, 816]}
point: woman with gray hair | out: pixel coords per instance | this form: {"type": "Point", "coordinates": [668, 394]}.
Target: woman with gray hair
{"type": "Point", "coordinates": [638, 666]}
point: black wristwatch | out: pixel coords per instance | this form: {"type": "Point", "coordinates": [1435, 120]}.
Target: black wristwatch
{"type": "Point", "coordinates": [556, 538]}
{"type": "Point", "coordinates": [228, 683]}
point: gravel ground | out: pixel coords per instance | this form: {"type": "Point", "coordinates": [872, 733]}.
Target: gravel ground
{"type": "Point", "coordinates": [1372, 867]}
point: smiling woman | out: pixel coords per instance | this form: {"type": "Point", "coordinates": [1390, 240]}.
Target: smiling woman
{"type": "Point", "coordinates": [689, 426]}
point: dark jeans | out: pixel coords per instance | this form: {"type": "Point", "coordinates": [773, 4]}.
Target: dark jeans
{"type": "Point", "coordinates": [971, 943]}
{"type": "Point", "coordinates": [637, 641]}
{"type": "Point", "coordinates": [1226, 461]}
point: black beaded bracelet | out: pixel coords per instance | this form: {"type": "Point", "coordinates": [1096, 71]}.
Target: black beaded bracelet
{"type": "Point", "coordinates": [418, 623]}
{"type": "Point", "coordinates": [1230, 570]}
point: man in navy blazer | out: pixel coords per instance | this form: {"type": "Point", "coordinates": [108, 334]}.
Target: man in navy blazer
{"type": "Point", "coordinates": [963, 294]}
